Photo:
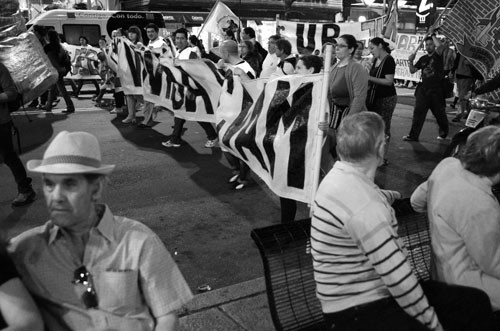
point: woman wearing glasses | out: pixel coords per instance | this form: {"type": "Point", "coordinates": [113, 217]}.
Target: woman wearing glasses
{"type": "Point", "coordinates": [17, 309]}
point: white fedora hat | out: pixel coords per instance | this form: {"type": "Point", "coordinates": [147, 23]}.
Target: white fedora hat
{"type": "Point", "coordinates": [71, 153]}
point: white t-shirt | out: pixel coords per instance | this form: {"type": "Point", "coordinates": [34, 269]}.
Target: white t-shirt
{"type": "Point", "coordinates": [157, 43]}
{"type": "Point", "coordinates": [243, 65]}
{"type": "Point", "coordinates": [269, 65]}
{"type": "Point", "coordinates": [187, 53]}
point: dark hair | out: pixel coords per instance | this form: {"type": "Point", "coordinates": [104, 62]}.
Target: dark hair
{"type": "Point", "coordinates": [350, 41]}
{"type": "Point", "coordinates": [135, 29]}
{"type": "Point", "coordinates": [182, 31]}
{"type": "Point", "coordinates": [249, 45]}
{"type": "Point", "coordinates": [83, 37]}
{"type": "Point", "coordinates": [481, 154]}
{"type": "Point", "coordinates": [428, 38]}
{"type": "Point", "coordinates": [194, 40]}
{"type": "Point", "coordinates": [276, 37]}
{"type": "Point", "coordinates": [313, 61]}
{"type": "Point", "coordinates": [103, 38]}
{"type": "Point", "coordinates": [250, 32]}
{"type": "Point", "coordinates": [377, 41]}
{"type": "Point", "coordinates": [152, 26]}
{"type": "Point", "coordinates": [284, 45]}
{"type": "Point", "coordinates": [54, 37]}
{"type": "Point", "coordinates": [41, 30]}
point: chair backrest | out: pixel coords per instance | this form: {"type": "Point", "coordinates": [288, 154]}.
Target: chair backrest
{"type": "Point", "coordinates": [291, 289]}
{"type": "Point", "coordinates": [288, 269]}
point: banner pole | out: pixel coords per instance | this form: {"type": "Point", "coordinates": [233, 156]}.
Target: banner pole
{"type": "Point", "coordinates": [323, 109]}
{"type": "Point", "coordinates": [437, 20]}
{"type": "Point", "coordinates": [278, 24]}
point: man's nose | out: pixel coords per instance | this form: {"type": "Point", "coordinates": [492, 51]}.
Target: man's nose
{"type": "Point", "coordinates": [57, 193]}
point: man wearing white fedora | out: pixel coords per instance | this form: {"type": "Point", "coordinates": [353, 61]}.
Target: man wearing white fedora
{"type": "Point", "coordinates": [89, 269]}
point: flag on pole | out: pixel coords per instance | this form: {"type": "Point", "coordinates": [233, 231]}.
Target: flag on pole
{"type": "Point", "coordinates": [220, 20]}
{"type": "Point", "coordinates": [272, 127]}
{"type": "Point", "coordinates": [474, 27]}
{"type": "Point", "coordinates": [390, 30]}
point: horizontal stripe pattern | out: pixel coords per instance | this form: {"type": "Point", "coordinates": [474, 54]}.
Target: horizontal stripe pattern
{"type": "Point", "coordinates": [357, 254]}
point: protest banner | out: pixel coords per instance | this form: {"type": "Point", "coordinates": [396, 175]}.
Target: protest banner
{"type": "Point", "coordinates": [308, 37]}
{"type": "Point", "coordinates": [406, 44]}
{"type": "Point", "coordinates": [473, 27]}
{"type": "Point", "coordinates": [189, 88]}
{"type": "Point", "coordinates": [273, 129]}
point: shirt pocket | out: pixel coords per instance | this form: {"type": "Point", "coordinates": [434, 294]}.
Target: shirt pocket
{"type": "Point", "coordinates": [117, 291]}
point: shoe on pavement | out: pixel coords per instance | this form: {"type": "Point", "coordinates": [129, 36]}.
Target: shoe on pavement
{"type": "Point", "coordinates": [442, 138]}
{"type": "Point", "coordinates": [234, 178]}
{"type": "Point", "coordinates": [409, 138]}
{"type": "Point", "coordinates": [211, 143]}
{"type": "Point", "coordinates": [171, 143]}
{"type": "Point", "coordinates": [68, 111]}
{"type": "Point", "coordinates": [129, 120]}
{"type": "Point", "coordinates": [23, 199]}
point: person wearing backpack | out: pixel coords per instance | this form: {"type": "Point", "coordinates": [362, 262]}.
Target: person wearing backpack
{"type": "Point", "coordinates": [8, 94]}
{"type": "Point", "coordinates": [59, 58]}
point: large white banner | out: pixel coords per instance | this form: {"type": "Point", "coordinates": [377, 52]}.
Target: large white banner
{"type": "Point", "coordinates": [272, 127]}
{"type": "Point", "coordinates": [309, 37]}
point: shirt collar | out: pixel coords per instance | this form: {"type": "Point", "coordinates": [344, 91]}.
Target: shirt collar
{"type": "Point", "coordinates": [104, 227]}
{"type": "Point", "coordinates": [347, 168]}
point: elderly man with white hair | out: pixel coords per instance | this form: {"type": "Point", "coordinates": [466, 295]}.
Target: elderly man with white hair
{"type": "Point", "coordinates": [87, 268]}
{"type": "Point", "coordinates": [363, 279]}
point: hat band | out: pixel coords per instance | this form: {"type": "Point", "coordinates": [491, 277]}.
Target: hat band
{"type": "Point", "coordinates": [72, 159]}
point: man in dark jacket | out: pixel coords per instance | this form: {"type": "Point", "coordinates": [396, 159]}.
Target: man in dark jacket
{"type": "Point", "coordinates": [8, 94]}
{"type": "Point", "coordinates": [249, 34]}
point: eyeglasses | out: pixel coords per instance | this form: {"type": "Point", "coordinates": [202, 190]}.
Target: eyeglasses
{"type": "Point", "coordinates": [84, 277]}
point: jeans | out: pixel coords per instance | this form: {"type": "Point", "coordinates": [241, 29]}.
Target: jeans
{"type": "Point", "coordinates": [59, 85]}
{"type": "Point", "coordinates": [179, 124]}
{"type": "Point", "coordinates": [12, 160]}
{"type": "Point", "coordinates": [426, 99]}
{"type": "Point", "coordinates": [458, 308]}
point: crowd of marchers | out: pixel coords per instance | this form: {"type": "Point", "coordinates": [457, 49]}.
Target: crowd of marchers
{"type": "Point", "coordinates": [88, 269]}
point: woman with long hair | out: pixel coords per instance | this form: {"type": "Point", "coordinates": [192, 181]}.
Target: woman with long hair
{"type": "Point", "coordinates": [17, 309]}
{"type": "Point", "coordinates": [248, 53]}
{"type": "Point", "coordinates": [57, 56]}
{"type": "Point", "coordinates": [382, 97]}
{"type": "Point", "coordinates": [135, 36]}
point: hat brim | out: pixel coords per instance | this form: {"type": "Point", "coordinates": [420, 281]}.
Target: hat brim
{"type": "Point", "coordinates": [60, 169]}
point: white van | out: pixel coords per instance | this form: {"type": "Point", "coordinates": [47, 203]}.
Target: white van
{"type": "Point", "coordinates": [71, 24]}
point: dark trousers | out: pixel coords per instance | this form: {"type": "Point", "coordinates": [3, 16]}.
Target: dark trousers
{"type": "Point", "coordinates": [179, 124]}
{"type": "Point", "coordinates": [12, 160]}
{"type": "Point", "coordinates": [458, 308]}
{"type": "Point", "coordinates": [426, 99]}
{"type": "Point", "coordinates": [288, 210]}
{"type": "Point", "coordinates": [62, 91]}
{"type": "Point", "coordinates": [119, 99]}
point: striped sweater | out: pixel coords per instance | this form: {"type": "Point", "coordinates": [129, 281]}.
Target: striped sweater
{"type": "Point", "coordinates": [357, 255]}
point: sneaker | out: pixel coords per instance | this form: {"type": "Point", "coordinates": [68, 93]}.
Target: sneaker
{"type": "Point", "coordinates": [23, 199]}
{"type": "Point", "coordinates": [234, 178]}
{"type": "Point", "coordinates": [211, 143]}
{"type": "Point", "coordinates": [129, 120]}
{"type": "Point", "coordinates": [441, 138]}
{"type": "Point", "coordinates": [171, 143]}
{"type": "Point", "coordinates": [409, 138]}
{"type": "Point", "coordinates": [115, 111]}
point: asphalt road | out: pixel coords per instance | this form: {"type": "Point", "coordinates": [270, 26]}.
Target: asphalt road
{"type": "Point", "coordinates": [183, 194]}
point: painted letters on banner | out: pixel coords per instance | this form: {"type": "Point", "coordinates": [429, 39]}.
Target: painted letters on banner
{"type": "Point", "coordinates": [273, 129]}
{"type": "Point", "coordinates": [189, 88]}
{"type": "Point", "coordinates": [405, 45]}
{"type": "Point", "coordinates": [474, 28]}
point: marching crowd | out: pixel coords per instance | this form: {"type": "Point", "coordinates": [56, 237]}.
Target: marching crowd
{"type": "Point", "coordinates": [87, 269]}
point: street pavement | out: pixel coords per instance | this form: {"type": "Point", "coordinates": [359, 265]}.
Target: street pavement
{"type": "Point", "coordinates": [183, 195]}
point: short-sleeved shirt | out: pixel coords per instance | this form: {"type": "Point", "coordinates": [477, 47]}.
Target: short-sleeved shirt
{"type": "Point", "coordinates": [388, 68]}
{"type": "Point", "coordinates": [432, 70]}
{"type": "Point", "coordinates": [7, 272]}
{"type": "Point", "coordinates": [136, 279]}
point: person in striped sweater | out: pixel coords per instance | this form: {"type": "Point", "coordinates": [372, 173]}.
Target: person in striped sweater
{"type": "Point", "coordinates": [363, 279]}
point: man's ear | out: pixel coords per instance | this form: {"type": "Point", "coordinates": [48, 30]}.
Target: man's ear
{"type": "Point", "coordinates": [98, 188]}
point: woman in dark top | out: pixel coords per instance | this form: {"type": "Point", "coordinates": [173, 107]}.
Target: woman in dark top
{"type": "Point", "coordinates": [17, 309]}
{"type": "Point", "coordinates": [382, 97]}
{"type": "Point", "coordinates": [248, 53]}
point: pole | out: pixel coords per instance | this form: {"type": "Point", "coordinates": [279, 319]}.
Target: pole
{"type": "Point", "coordinates": [323, 110]}
{"type": "Point", "coordinates": [436, 21]}
{"type": "Point", "coordinates": [278, 24]}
